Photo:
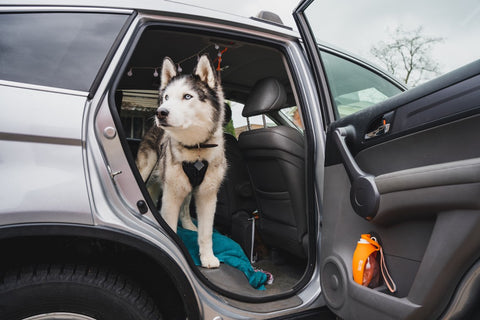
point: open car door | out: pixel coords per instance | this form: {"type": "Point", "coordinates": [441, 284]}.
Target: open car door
{"type": "Point", "coordinates": [408, 171]}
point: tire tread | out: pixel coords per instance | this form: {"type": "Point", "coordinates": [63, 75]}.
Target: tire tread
{"type": "Point", "coordinates": [100, 277]}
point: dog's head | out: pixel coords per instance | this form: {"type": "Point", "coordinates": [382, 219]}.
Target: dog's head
{"type": "Point", "coordinates": [191, 106]}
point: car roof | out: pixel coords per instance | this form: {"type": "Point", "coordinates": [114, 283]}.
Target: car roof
{"type": "Point", "coordinates": [237, 79]}
{"type": "Point", "coordinates": [169, 8]}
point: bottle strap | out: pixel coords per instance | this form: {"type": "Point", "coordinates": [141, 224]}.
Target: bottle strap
{"type": "Point", "coordinates": [386, 275]}
{"type": "Point", "coordinates": [383, 265]}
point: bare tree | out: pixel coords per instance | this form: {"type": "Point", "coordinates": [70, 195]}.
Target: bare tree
{"type": "Point", "coordinates": [407, 55]}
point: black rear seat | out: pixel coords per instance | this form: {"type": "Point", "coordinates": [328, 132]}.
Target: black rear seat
{"type": "Point", "coordinates": [235, 194]}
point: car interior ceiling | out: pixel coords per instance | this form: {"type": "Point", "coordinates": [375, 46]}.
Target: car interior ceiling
{"type": "Point", "coordinates": [243, 64]}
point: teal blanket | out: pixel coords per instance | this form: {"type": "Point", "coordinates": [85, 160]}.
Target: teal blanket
{"type": "Point", "coordinates": [227, 251]}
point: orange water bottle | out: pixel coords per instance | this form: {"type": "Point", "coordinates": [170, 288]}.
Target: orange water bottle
{"type": "Point", "coordinates": [365, 266]}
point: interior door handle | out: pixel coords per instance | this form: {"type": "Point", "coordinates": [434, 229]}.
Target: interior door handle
{"type": "Point", "coordinates": [364, 195]}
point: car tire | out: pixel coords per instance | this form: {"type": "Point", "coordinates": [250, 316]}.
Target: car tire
{"type": "Point", "coordinates": [72, 292]}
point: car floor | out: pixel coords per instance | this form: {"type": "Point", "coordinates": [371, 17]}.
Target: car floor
{"type": "Point", "coordinates": [285, 276]}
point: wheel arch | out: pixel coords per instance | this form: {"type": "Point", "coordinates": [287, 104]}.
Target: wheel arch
{"type": "Point", "coordinates": [129, 254]}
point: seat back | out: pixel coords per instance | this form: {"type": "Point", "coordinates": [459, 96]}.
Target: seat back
{"type": "Point", "coordinates": [276, 162]}
{"type": "Point", "coordinates": [235, 193]}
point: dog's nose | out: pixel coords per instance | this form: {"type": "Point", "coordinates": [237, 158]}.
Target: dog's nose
{"type": "Point", "coordinates": [162, 113]}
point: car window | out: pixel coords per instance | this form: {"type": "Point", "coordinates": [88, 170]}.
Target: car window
{"type": "Point", "coordinates": [292, 114]}
{"type": "Point", "coordinates": [354, 87]}
{"type": "Point", "coordinates": [415, 46]}
{"type": "Point", "coordinates": [240, 123]}
{"type": "Point", "coordinates": [137, 111]}
{"type": "Point", "coordinates": [64, 50]}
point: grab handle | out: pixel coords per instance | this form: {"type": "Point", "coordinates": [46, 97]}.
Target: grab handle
{"type": "Point", "coordinates": [364, 195]}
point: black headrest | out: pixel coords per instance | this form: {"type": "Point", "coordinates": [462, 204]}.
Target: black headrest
{"type": "Point", "coordinates": [267, 95]}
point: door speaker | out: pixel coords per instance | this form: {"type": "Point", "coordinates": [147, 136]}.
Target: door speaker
{"type": "Point", "coordinates": [334, 280]}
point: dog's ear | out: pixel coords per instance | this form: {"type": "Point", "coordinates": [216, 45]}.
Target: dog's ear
{"type": "Point", "coordinates": [204, 70]}
{"type": "Point", "coordinates": [168, 72]}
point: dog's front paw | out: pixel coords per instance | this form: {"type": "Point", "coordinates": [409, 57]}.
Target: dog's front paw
{"type": "Point", "coordinates": [210, 261]}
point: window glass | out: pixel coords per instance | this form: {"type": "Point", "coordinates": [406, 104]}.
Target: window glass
{"type": "Point", "coordinates": [240, 123]}
{"type": "Point", "coordinates": [354, 87]}
{"type": "Point", "coordinates": [137, 111]}
{"type": "Point", "coordinates": [414, 40]}
{"type": "Point", "coordinates": [292, 114]}
{"type": "Point", "coordinates": [62, 50]}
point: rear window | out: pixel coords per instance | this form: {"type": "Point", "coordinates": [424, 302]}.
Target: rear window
{"type": "Point", "coordinates": [64, 50]}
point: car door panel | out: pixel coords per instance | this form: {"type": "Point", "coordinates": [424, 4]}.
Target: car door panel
{"type": "Point", "coordinates": [427, 172]}
{"type": "Point", "coordinates": [417, 156]}
{"type": "Point", "coordinates": [424, 147]}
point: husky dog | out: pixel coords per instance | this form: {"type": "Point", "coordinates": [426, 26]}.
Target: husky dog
{"type": "Point", "coordinates": [183, 154]}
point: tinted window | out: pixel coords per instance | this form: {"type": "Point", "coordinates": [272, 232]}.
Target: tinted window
{"type": "Point", "coordinates": [62, 50]}
{"type": "Point", "coordinates": [354, 87]}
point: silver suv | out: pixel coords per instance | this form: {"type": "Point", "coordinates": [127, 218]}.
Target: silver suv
{"type": "Point", "coordinates": [349, 153]}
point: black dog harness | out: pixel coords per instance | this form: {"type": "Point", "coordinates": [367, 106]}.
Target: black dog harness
{"type": "Point", "coordinates": [195, 171]}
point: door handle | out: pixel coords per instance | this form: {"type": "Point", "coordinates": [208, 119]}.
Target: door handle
{"type": "Point", "coordinates": [364, 195]}
{"type": "Point", "coordinates": [381, 130]}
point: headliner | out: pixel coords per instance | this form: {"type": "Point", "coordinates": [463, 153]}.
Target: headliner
{"type": "Point", "coordinates": [243, 64]}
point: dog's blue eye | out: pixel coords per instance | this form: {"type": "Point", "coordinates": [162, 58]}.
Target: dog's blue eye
{"type": "Point", "coordinates": [187, 96]}
{"type": "Point", "coordinates": [166, 97]}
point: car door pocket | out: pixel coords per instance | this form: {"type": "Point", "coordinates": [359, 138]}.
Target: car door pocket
{"type": "Point", "coordinates": [364, 195]}
{"type": "Point", "coordinates": [368, 263]}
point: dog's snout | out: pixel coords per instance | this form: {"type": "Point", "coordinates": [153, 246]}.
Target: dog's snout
{"type": "Point", "coordinates": [162, 113]}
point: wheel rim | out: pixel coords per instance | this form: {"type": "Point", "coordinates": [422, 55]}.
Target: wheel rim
{"type": "Point", "coordinates": [59, 316]}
